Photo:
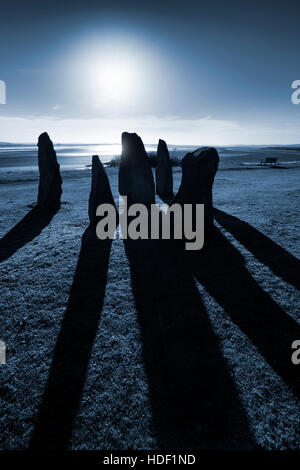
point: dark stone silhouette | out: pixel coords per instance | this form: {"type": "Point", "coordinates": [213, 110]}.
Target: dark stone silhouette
{"type": "Point", "coordinates": [135, 174]}
{"type": "Point", "coordinates": [67, 376]}
{"type": "Point", "coordinates": [163, 174]}
{"type": "Point", "coordinates": [100, 189]}
{"type": "Point", "coordinates": [198, 173]}
{"type": "Point", "coordinates": [50, 180]}
{"type": "Point", "coordinates": [26, 230]}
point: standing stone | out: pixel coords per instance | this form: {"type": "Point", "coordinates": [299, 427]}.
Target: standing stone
{"type": "Point", "coordinates": [164, 176]}
{"type": "Point", "coordinates": [135, 174]}
{"type": "Point", "coordinates": [100, 190]}
{"type": "Point", "coordinates": [198, 174]}
{"type": "Point", "coordinates": [50, 191]}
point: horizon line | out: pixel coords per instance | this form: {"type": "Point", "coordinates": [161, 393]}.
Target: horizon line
{"type": "Point", "coordinates": [155, 143]}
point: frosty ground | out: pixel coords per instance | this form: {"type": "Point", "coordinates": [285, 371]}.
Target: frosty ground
{"type": "Point", "coordinates": [118, 407]}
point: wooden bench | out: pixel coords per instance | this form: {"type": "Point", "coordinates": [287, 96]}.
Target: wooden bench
{"type": "Point", "coordinates": [269, 160]}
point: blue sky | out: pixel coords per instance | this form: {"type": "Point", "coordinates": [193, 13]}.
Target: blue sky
{"type": "Point", "coordinates": [191, 72]}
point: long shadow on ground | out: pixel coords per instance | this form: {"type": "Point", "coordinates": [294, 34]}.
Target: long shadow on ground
{"type": "Point", "coordinates": [194, 401]}
{"type": "Point", "coordinates": [220, 268]}
{"type": "Point", "coordinates": [74, 345]}
{"type": "Point", "coordinates": [24, 232]}
{"type": "Point", "coordinates": [282, 263]}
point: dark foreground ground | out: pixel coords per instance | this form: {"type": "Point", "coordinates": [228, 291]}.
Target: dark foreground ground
{"type": "Point", "coordinates": [151, 347]}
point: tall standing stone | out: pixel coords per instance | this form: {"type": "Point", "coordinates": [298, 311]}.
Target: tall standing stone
{"type": "Point", "coordinates": [198, 174]}
{"type": "Point", "coordinates": [135, 174]}
{"type": "Point", "coordinates": [100, 189]}
{"type": "Point", "coordinates": [50, 190]}
{"type": "Point", "coordinates": [163, 174]}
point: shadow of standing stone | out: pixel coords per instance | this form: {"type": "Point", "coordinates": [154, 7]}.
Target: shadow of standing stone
{"type": "Point", "coordinates": [198, 174]}
{"type": "Point", "coordinates": [100, 190]}
{"type": "Point", "coordinates": [50, 190]}
{"type": "Point", "coordinates": [163, 174]}
{"type": "Point", "coordinates": [135, 174]}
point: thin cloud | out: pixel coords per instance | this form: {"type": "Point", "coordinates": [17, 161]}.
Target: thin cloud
{"type": "Point", "coordinates": [203, 131]}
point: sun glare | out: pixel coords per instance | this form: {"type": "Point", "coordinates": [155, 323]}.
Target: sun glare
{"type": "Point", "coordinates": [116, 81]}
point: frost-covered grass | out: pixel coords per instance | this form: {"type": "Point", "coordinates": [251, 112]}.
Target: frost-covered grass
{"type": "Point", "coordinates": [178, 353]}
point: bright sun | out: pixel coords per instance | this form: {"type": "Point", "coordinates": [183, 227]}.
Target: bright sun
{"type": "Point", "coordinates": [116, 81]}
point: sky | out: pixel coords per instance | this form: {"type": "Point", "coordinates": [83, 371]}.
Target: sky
{"type": "Point", "coordinates": [190, 72]}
